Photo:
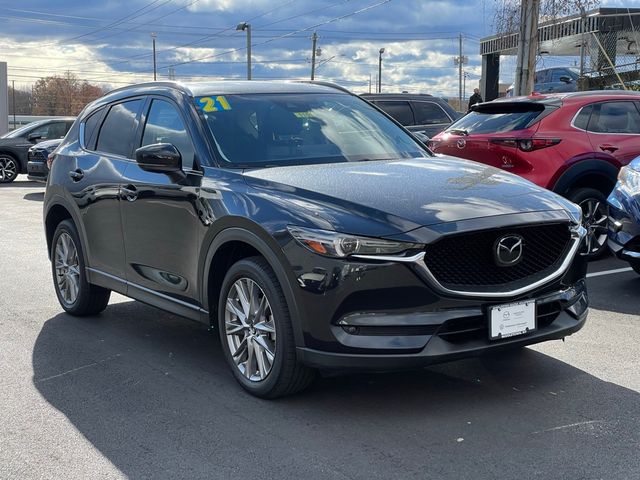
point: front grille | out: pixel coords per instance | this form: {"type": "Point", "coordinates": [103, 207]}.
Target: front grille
{"type": "Point", "coordinates": [37, 155]}
{"type": "Point", "coordinates": [466, 262]}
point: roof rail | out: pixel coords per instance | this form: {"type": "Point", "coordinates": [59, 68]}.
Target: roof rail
{"type": "Point", "coordinates": [326, 84]}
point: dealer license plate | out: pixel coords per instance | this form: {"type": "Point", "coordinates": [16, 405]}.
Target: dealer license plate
{"type": "Point", "coordinates": [512, 319]}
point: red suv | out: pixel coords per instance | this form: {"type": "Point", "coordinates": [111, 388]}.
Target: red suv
{"type": "Point", "coordinates": [571, 143]}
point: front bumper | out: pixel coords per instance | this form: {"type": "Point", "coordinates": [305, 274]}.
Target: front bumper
{"type": "Point", "coordinates": [385, 315]}
{"type": "Point", "coordinates": [624, 225]}
{"type": "Point", "coordinates": [447, 343]}
{"type": "Point", "coordinates": [37, 171]}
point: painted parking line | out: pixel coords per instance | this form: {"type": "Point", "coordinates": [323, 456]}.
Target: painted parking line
{"type": "Point", "coordinates": [609, 272]}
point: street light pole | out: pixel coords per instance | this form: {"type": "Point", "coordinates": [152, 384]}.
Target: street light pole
{"type": "Point", "coordinates": [244, 26]}
{"type": "Point", "coordinates": [380, 52]}
{"type": "Point", "coordinates": [153, 39]}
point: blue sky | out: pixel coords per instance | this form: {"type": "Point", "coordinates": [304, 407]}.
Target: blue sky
{"type": "Point", "coordinates": [109, 42]}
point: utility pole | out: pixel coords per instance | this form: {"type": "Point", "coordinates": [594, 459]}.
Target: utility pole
{"type": "Point", "coordinates": [244, 26]}
{"type": "Point", "coordinates": [153, 39]}
{"type": "Point", "coordinates": [172, 73]}
{"type": "Point", "coordinates": [369, 82]}
{"type": "Point", "coordinates": [460, 61]}
{"type": "Point", "coordinates": [380, 52]}
{"type": "Point", "coordinates": [314, 43]}
{"type": "Point", "coordinates": [527, 47]}
{"type": "Point", "coordinates": [13, 99]}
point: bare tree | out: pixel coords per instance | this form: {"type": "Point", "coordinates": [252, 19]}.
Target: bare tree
{"type": "Point", "coordinates": [63, 95]}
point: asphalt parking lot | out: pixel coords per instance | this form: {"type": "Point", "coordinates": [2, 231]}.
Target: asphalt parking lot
{"type": "Point", "coordinates": [139, 393]}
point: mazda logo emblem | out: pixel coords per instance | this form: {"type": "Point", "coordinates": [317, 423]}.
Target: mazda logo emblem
{"type": "Point", "coordinates": [508, 250]}
{"type": "Point", "coordinates": [461, 143]}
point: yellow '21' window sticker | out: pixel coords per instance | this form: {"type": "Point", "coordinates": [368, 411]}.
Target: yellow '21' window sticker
{"type": "Point", "coordinates": [213, 104]}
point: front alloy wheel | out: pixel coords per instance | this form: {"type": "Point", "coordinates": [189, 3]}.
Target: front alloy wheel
{"type": "Point", "coordinates": [595, 221]}
{"type": "Point", "coordinates": [256, 331]}
{"type": "Point", "coordinates": [250, 329]}
{"type": "Point", "coordinates": [8, 169]}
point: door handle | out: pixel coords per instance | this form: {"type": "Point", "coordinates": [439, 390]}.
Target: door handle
{"type": "Point", "coordinates": [129, 193]}
{"type": "Point", "coordinates": [608, 148]}
{"type": "Point", "coordinates": [76, 175]}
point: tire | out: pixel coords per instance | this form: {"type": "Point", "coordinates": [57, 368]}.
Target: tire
{"type": "Point", "coordinates": [594, 220]}
{"type": "Point", "coordinates": [68, 270]}
{"type": "Point", "coordinates": [9, 168]}
{"type": "Point", "coordinates": [279, 374]}
{"type": "Point", "coordinates": [635, 265]}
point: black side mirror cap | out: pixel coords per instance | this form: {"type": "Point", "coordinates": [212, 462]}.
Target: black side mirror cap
{"type": "Point", "coordinates": [565, 79]}
{"type": "Point", "coordinates": [160, 158]}
{"type": "Point", "coordinates": [32, 137]}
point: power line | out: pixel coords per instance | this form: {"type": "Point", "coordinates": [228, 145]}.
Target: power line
{"type": "Point", "coordinates": [285, 35]}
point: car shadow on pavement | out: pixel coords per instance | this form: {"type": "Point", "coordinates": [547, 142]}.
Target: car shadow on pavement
{"type": "Point", "coordinates": [22, 184]}
{"type": "Point", "coordinates": [34, 196]}
{"type": "Point", "coordinates": [152, 393]}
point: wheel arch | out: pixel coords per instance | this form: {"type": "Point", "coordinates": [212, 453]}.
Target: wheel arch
{"type": "Point", "coordinates": [56, 212]}
{"type": "Point", "coordinates": [598, 174]}
{"type": "Point", "coordinates": [232, 244]}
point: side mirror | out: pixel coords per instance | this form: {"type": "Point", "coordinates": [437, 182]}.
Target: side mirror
{"type": "Point", "coordinates": [565, 79]}
{"type": "Point", "coordinates": [422, 137]}
{"type": "Point", "coordinates": [159, 157]}
{"type": "Point", "coordinates": [34, 137]}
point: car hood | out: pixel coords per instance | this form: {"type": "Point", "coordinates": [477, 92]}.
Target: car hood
{"type": "Point", "coordinates": [401, 195]}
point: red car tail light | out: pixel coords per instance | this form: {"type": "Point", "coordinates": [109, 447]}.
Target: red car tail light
{"type": "Point", "coordinates": [526, 144]}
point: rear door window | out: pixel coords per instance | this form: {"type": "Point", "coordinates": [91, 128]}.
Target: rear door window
{"type": "Point", "coordinates": [119, 128]}
{"type": "Point", "coordinates": [399, 110]}
{"type": "Point", "coordinates": [429, 113]}
{"type": "Point", "coordinates": [615, 117]}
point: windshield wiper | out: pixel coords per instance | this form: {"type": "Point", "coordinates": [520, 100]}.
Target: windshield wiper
{"type": "Point", "coordinates": [458, 131]}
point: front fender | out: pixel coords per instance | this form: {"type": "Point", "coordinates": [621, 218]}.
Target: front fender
{"type": "Point", "coordinates": [242, 230]}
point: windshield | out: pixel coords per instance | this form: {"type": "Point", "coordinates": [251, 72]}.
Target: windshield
{"type": "Point", "coordinates": [252, 130]}
{"type": "Point", "coordinates": [20, 131]}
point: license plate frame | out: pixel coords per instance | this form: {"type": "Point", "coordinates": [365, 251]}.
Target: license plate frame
{"type": "Point", "coordinates": [512, 319]}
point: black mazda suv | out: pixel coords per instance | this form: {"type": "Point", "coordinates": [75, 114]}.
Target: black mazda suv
{"type": "Point", "coordinates": [309, 228]}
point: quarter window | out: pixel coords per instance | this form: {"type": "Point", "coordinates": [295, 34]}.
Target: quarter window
{"type": "Point", "coordinates": [119, 128]}
{"type": "Point", "coordinates": [429, 113]}
{"type": "Point", "coordinates": [582, 119]}
{"type": "Point", "coordinates": [165, 125]}
{"type": "Point", "coordinates": [615, 117]}
{"type": "Point", "coordinates": [90, 126]}
{"type": "Point", "coordinates": [401, 111]}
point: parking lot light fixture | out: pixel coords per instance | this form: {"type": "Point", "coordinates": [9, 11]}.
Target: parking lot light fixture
{"type": "Point", "coordinates": [244, 26]}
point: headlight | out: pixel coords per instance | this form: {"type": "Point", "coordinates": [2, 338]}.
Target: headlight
{"type": "Point", "coordinates": [629, 179]}
{"type": "Point", "coordinates": [575, 212]}
{"type": "Point", "coordinates": [340, 245]}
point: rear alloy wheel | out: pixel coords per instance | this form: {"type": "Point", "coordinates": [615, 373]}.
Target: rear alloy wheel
{"type": "Point", "coordinates": [594, 219]}
{"type": "Point", "coordinates": [76, 295]}
{"type": "Point", "coordinates": [8, 169]}
{"type": "Point", "coordinates": [256, 331]}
